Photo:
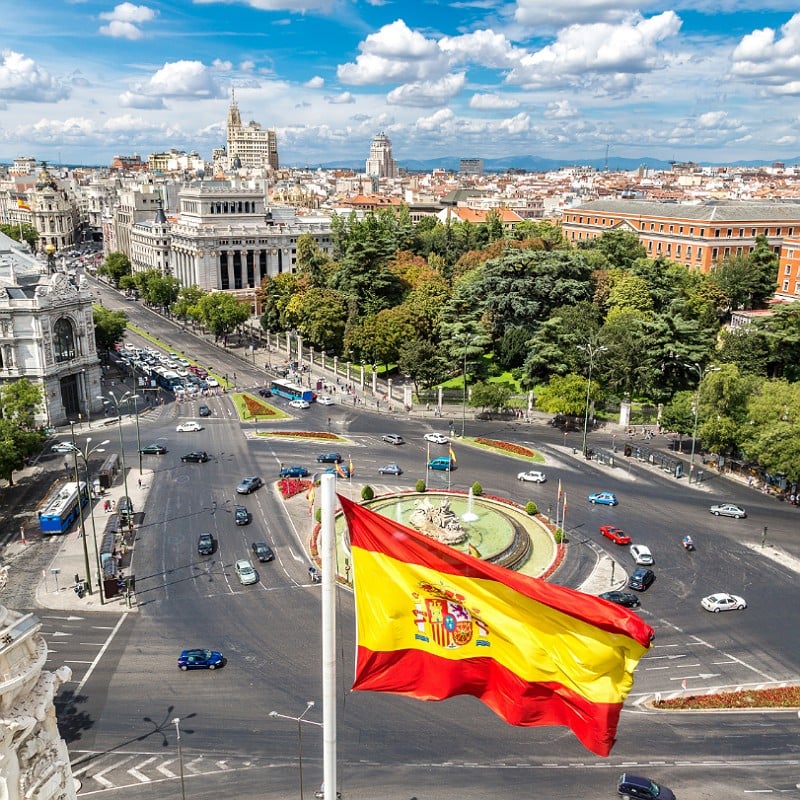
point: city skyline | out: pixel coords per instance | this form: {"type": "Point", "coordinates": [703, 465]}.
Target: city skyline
{"type": "Point", "coordinates": [708, 81]}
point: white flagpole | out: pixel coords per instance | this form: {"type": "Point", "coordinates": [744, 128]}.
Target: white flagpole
{"type": "Point", "coordinates": [558, 501]}
{"type": "Point", "coordinates": [328, 554]}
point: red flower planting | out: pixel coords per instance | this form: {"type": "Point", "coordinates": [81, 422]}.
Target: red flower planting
{"type": "Point", "coordinates": [289, 487]}
{"type": "Point", "coordinates": [256, 408]}
{"type": "Point", "coordinates": [776, 697]}
{"type": "Point", "coordinates": [507, 446]}
{"type": "Point", "coordinates": [302, 434]}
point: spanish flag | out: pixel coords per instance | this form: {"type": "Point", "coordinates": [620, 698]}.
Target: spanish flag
{"type": "Point", "coordinates": [434, 623]}
{"type": "Point", "coordinates": [340, 471]}
{"type": "Point", "coordinates": [23, 204]}
{"type": "Point", "coordinates": [452, 455]}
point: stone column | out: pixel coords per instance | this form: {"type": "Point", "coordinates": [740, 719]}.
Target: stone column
{"type": "Point", "coordinates": [374, 381]}
{"type": "Point", "coordinates": [336, 367]}
{"type": "Point", "coordinates": [362, 377]}
{"type": "Point", "coordinates": [288, 345]}
{"type": "Point", "coordinates": [390, 388]}
{"type": "Point", "coordinates": [311, 356]}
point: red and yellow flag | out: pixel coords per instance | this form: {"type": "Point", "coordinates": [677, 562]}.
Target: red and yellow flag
{"type": "Point", "coordinates": [452, 455]}
{"type": "Point", "coordinates": [434, 623]}
{"type": "Point", "coordinates": [23, 204]}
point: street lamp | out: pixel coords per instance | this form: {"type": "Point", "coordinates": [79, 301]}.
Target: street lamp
{"type": "Point", "coordinates": [85, 454]}
{"type": "Point", "coordinates": [701, 373]}
{"type": "Point", "coordinates": [466, 340]}
{"type": "Point", "coordinates": [592, 350]}
{"type": "Point", "coordinates": [117, 403]}
{"type": "Point", "coordinates": [299, 720]}
{"type": "Point", "coordinates": [177, 723]}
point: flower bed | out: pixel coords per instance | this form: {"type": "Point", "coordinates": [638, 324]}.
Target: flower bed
{"type": "Point", "coordinates": [255, 408]}
{"type": "Point", "coordinates": [777, 697]}
{"type": "Point", "coordinates": [289, 487]}
{"type": "Point", "coordinates": [301, 434]}
{"type": "Point", "coordinates": [516, 449]}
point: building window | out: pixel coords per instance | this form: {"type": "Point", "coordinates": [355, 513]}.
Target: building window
{"type": "Point", "coordinates": [778, 231]}
{"type": "Point", "coordinates": [741, 232]}
{"type": "Point", "coordinates": [753, 232]}
{"type": "Point", "coordinates": [786, 286]}
{"type": "Point", "coordinates": [63, 341]}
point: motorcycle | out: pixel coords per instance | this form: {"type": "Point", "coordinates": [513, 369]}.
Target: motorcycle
{"type": "Point", "coordinates": [688, 544]}
{"type": "Point", "coordinates": [315, 575]}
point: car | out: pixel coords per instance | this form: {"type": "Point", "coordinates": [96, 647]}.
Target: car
{"type": "Point", "coordinates": [325, 400]}
{"type": "Point", "coordinates": [204, 411]}
{"type": "Point", "coordinates": [263, 551]}
{"type": "Point", "coordinates": [617, 535]}
{"type": "Point", "coordinates": [390, 469]}
{"type": "Point", "coordinates": [196, 456]}
{"type": "Point", "coordinates": [622, 599]}
{"type": "Point", "coordinates": [245, 572]}
{"type": "Point", "coordinates": [641, 579]}
{"type": "Point", "coordinates": [241, 516]}
{"type": "Point", "coordinates": [532, 476]}
{"type": "Point", "coordinates": [443, 463]}
{"type": "Point", "coordinates": [205, 544]}
{"type": "Point", "coordinates": [603, 498]}
{"type": "Point", "coordinates": [154, 449]}
{"type": "Point", "coordinates": [212, 383]}
{"type": "Point", "coordinates": [635, 787]}
{"type": "Point", "coordinates": [728, 510]}
{"type": "Point", "coordinates": [249, 484]}
{"type": "Point", "coordinates": [436, 438]}
{"type": "Point", "coordinates": [265, 392]}
{"type": "Point", "coordinates": [329, 458]}
{"type": "Point", "coordinates": [641, 554]}
{"type": "Point", "coordinates": [299, 404]}
{"type": "Point", "coordinates": [191, 425]}
{"type": "Point", "coordinates": [62, 447]}
{"type": "Point", "coordinates": [722, 601]}
{"type": "Point", "coordinates": [393, 438]}
{"type": "Point", "coordinates": [201, 659]}
{"type": "Point", "coordinates": [293, 472]}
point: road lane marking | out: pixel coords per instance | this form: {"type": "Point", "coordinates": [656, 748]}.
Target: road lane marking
{"type": "Point", "coordinates": [102, 652]}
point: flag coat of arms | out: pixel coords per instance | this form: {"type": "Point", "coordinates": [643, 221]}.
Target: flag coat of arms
{"type": "Point", "coordinates": [433, 622]}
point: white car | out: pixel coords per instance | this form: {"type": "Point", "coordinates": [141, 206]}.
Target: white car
{"type": "Point", "coordinates": [641, 554]}
{"type": "Point", "coordinates": [532, 476]}
{"type": "Point", "coordinates": [324, 400]}
{"type": "Point", "coordinates": [62, 447]}
{"type": "Point", "coordinates": [436, 438]}
{"type": "Point", "coordinates": [722, 601]}
{"type": "Point", "coordinates": [246, 573]}
{"type": "Point", "coordinates": [212, 383]}
{"type": "Point", "coordinates": [299, 404]}
{"type": "Point", "coordinates": [191, 425]}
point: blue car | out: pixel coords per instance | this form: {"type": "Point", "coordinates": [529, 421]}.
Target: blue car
{"type": "Point", "coordinates": [603, 498]}
{"type": "Point", "coordinates": [443, 463]}
{"type": "Point", "coordinates": [342, 470]}
{"type": "Point", "coordinates": [293, 472]}
{"type": "Point", "coordinates": [200, 659]}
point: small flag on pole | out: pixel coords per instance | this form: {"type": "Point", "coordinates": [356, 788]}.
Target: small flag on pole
{"type": "Point", "coordinates": [452, 455]}
{"type": "Point", "coordinates": [683, 684]}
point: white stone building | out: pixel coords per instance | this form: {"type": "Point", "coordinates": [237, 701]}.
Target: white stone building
{"type": "Point", "coordinates": [47, 335]}
{"type": "Point", "coordinates": [250, 146]}
{"type": "Point", "coordinates": [380, 163]}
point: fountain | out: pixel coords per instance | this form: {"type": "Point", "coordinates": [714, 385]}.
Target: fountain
{"type": "Point", "coordinates": [469, 515]}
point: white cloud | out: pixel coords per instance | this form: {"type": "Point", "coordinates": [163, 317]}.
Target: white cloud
{"type": "Point", "coordinates": [179, 80]}
{"type": "Point", "coordinates": [22, 79]}
{"type": "Point", "coordinates": [315, 83]}
{"type": "Point", "coordinates": [483, 47]}
{"type": "Point", "coordinates": [296, 6]}
{"type": "Point", "coordinates": [560, 109]}
{"type": "Point", "coordinates": [427, 93]}
{"type": "Point", "coordinates": [489, 102]}
{"type": "Point", "coordinates": [247, 66]}
{"type": "Point", "coordinates": [765, 58]}
{"type": "Point", "coordinates": [340, 99]}
{"type": "Point", "coordinates": [558, 15]}
{"type": "Point", "coordinates": [395, 53]}
{"type": "Point", "coordinates": [125, 19]}
{"type": "Point", "coordinates": [133, 100]}
{"type": "Point", "coordinates": [582, 51]}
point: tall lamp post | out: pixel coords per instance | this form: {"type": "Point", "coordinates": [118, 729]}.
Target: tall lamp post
{"type": "Point", "coordinates": [299, 720]}
{"type": "Point", "coordinates": [85, 454]}
{"type": "Point", "coordinates": [117, 402]}
{"type": "Point", "coordinates": [466, 340]}
{"type": "Point", "coordinates": [177, 723]}
{"type": "Point", "coordinates": [592, 350]}
{"type": "Point", "coordinates": [701, 373]}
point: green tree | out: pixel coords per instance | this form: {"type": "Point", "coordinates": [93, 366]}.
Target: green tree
{"type": "Point", "coordinates": [490, 396]}
{"type": "Point", "coordinates": [423, 360]}
{"type": "Point", "coordinates": [622, 249]}
{"type": "Point", "coordinates": [29, 233]}
{"type": "Point", "coordinates": [186, 306]}
{"type": "Point", "coordinates": [275, 294]}
{"type": "Point", "coordinates": [493, 225]}
{"type": "Point", "coordinates": [549, 235]}
{"type": "Point", "coordinates": [222, 313]}
{"type": "Point", "coordinates": [20, 401]}
{"type": "Point", "coordinates": [115, 266]}
{"type": "Point", "coordinates": [320, 316]}
{"type": "Point", "coordinates": [312, 260]}
{"type": "Point", "coordinates": [781, 333]}
{"type": "Point", "coordinates": [109, 327]}
{"type": "Point", "coordinates": [566, 395]}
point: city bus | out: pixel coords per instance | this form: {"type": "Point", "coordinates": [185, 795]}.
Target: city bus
{"type": "Point", "coordinates": [166, 378]}
{"type": "Point", "coordinates": [291, 391]}
{"type": "Point", "coordinates": [60, 508]}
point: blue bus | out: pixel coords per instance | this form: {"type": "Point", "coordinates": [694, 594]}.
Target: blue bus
{"type": "Point", "coordinates": [165, 378]}
{"type": "Point", "coordinates": [60, 508]}
{"type": "Point", "coordinates": [291, 391]}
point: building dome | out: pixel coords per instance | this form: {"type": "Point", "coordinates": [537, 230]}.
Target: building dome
{"type": "Point", "coordinates": [46, 180]}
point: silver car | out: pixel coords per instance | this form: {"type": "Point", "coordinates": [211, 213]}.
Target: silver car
{"type": "Point", "coordinates": [728, 510]}
{"type": "Point", "coordinates": [532, 476]}
{"type": "Point", "coordinates": [245, 572]}
{"type": "Point", "coordinates": [641, 554]}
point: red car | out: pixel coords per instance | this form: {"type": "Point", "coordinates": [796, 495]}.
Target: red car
{"type": "Point", "coordinates": [615, 534]}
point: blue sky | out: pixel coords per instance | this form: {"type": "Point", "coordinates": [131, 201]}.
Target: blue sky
{"type": "Point", "coordinates": [706, 80]}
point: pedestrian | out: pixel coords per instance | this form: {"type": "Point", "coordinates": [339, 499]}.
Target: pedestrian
{"type": "Point", "coordinates": [66, 466]}
{"type": "Point", "coordinates": [140, 483]}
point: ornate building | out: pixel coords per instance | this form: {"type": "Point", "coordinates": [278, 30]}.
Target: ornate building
{"type": "Point", "coordinates": [47, 334]}
{"type": "Point", "coordinates": [54, 213]}
{"type": "Point", "coordinates": [380, 163]}
{"type": "Point", "coordinates": [250, 145]}
{"type": "Point", "coordinates": [34, 762]}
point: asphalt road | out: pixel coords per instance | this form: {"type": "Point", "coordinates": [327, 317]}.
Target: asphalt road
{"type": "Point", "coordinates": [119, 727]}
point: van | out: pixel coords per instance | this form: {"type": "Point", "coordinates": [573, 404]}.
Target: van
{"type": "Point", "coordinates": [125, 508]}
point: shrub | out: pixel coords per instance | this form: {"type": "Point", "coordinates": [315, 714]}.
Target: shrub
{"type": "Point", "coordinates": [420, 485]}
{"type": "Point", "coordinates": [318, 515]}
{"type": "Point", "coordinates": [477, 489]}
{"type": "Point", "coordinates": [367, 493]}
{"type": "Point", "coordinates": [559, 535]}
{"type": "Point", "coordinates": [531, 508]}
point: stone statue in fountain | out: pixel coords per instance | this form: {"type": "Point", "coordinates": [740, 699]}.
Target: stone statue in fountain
{"type": "Point", "coordinates": [440, 523]}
